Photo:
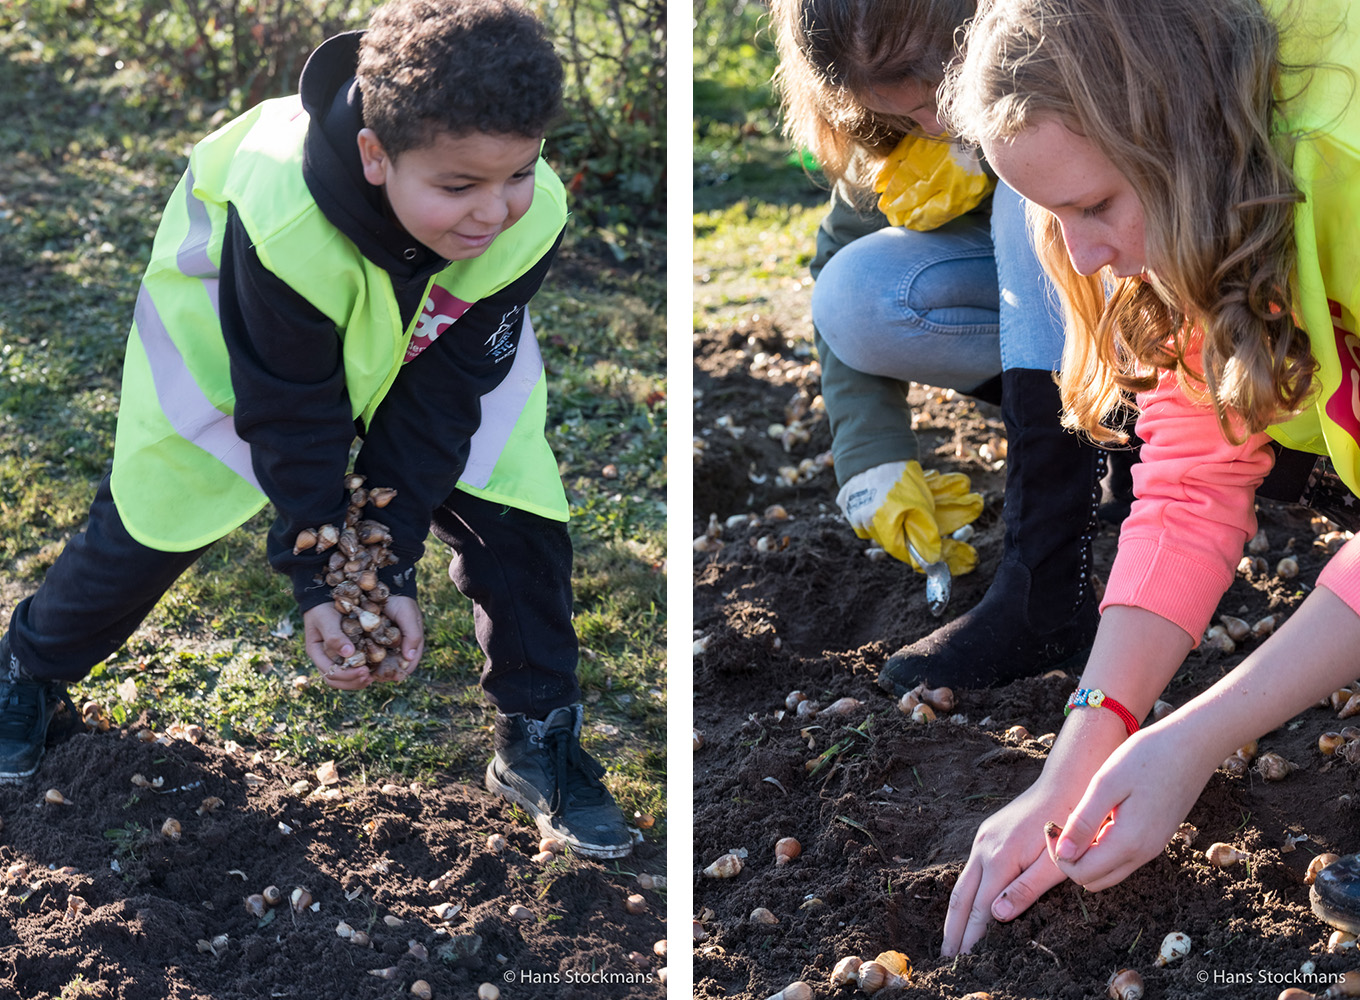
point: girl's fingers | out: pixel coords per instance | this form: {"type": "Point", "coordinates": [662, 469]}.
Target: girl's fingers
{"type": "Point", "coordinates": [960, 908]}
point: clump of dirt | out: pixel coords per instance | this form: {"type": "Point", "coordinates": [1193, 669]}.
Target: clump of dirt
{"type": "Point", "coordinates": [887, 819]}
{"type": "Point", "coordinates": [97, 893]}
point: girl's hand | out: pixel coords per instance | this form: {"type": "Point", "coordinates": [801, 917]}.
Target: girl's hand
{"type": "Point", "coordinates": [1009, 867]}
{"type": "Point", "coordinates": [326, 645]}
{"type": "Point", "coordinates": [1149, 785]}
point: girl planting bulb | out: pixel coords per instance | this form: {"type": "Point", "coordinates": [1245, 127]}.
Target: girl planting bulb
{"type": "Point", "coordinates": [1196, 174]}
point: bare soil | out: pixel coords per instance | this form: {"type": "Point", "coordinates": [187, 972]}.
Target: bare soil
{"type": "Point", "coordinates": [886, 823]}
{"type": "Point", "coordinates": [365, 851]}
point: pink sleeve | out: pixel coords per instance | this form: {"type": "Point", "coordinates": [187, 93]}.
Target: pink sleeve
{"type": "Point", "coordinates": [1195, 509]}
{"type": "Point", "coordinates": [1341, 575]}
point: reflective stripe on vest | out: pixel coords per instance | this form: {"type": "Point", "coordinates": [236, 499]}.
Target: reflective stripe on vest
{"type": "Point", "coordinates": [184, 404]}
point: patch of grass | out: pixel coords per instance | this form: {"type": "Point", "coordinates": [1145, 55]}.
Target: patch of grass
{"type": "Point", "coordinates": [91, 164]}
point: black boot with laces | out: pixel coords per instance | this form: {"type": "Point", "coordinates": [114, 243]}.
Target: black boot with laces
{"type": "Point", "coordinates": [541, 767]}
{"type": "Point", "coordinates": [26, 709]}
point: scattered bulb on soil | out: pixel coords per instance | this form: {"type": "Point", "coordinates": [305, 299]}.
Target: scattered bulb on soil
{"type": "Point", "coordinates": [1273, 767]}
{"type": "Point", "coordinates": [488, 991]}
{"type": "Point", "coordinates": [923, 713]}
{"type": "Point", "coordinates": [1349, 986]}
{"type": "Point", "coordinates": [392, 921]}
{"type": "Point", "coordinates": [786, 849]}
{"type": "Point", "coordinates": [543, 857]}
{"type": "Point", "coordinates": [391, 972]}
{"type": "Point", "coordinates": [699, 933]}
{"type": "Point", "coordinates": [273, 895]}
{"type": "Point", "coordinates": [1264, 627]}
{"type": "Point", "coordinates": [1237, 629]}
{"type": "Point", "coordinates": [1125, 985]}
{"type": "Point", "coordinates": [417, 950]}
{"type": "Point", "coordinates": [941, 699]}
{"type": "Point", "coordinates": [727, 866]}
{"type": "Point", "coordinates": [255, 905]}
{"type": "Point", "coordinates": [842, 706]}
{"type": "Point", "coordinates": [1351, 708]}
{"type": "Point", "coordinates": [635, 904]}
{"type": "Point", "coordinates": [1175, 945]}
{"type": "Point", "coordinates": [1317, 864]}
{"type": "Point", "coordinates": [1259, 544]}
{"type": "Point", "coordinates": [1340, 941]}
{"type": "Point", "coordinates": [644, 821]}
{"type": "Point", "coordinates": [846, 970]}
{"type": "Point", "coordinates": [211, 803]}
{"type": "Point", "coordinates": [552, 845]}
{"type": "Point", "coordinates": [1330, 743]}
{"type": "Point", "coordinates": [171, 828]}
{"type": "Point", "coordinates": [301, 899]}
{"type": "Point", "coordinates": [1221, 855]}
{"type": "Point", "coordinates": [1161, 709]}
{"type": "Point", "coordinates": [1217, 638]}
{"type": "Point", "coordinates": [1287, 568]}
{"type": "Point", "coordinates": [518, 912]}
{"type": "Point", "coordinates": [496, 843]}
{"type": "Point", "coordinates": [646, 880]}
{"type": "Point", "coordinates": [794, 991]}
{"type": "Point", "coordinates": [421, 990]}
{"type": "Point", "coordinates": [760, 915]}
{"type": "Point", "coordinates": [698, 738]}
{"type": "Point", "coordinates": [875, 976]}
{"type": "Point", "coordinates": [659, 948]}
{"type": "Point", "coordinates": [55, 798]}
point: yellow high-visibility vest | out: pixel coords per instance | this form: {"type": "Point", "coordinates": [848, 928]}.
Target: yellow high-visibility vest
{"type": "Point", "coordinates": [181, 476]}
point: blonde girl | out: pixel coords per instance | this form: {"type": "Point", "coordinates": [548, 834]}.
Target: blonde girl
{"type": "Point", "coordinates": [1196, 172]}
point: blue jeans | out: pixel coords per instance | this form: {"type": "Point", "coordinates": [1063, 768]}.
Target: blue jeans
{"type": "Point", "coordinates": [951, 307]}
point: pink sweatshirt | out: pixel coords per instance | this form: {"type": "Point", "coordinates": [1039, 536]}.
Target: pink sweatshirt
{"type": "Point", "coordinates": [1195, 509]}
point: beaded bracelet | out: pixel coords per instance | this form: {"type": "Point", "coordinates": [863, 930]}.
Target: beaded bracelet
{"type": "Point", "coordinates": [1096, 698]}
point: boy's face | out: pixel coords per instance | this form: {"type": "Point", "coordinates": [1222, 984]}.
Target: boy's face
{"type": "Point", "coordinates": [458, 193]}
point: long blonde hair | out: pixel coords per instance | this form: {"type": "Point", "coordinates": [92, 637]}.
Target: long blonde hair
{"type": "Point", "coordinates": [833, 53]}
{"type": "Point", "coordinates": [1182, 96]}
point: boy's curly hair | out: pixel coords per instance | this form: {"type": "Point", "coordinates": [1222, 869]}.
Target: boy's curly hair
{"type": "Point", "coordinates": [456, 67]}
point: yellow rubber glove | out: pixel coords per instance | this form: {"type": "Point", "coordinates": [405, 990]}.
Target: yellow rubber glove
{"type": "Point", "coordinates": [924, 183]}
{"type": "Point", "coordinates": [927, 507]}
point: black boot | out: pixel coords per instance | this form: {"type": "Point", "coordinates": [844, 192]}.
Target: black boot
{"type": "Point", "coordinates": [1335, 895]}
{"type": "Point", "coordinates": [26, 710]}
{"type": "Point", "coordinates": [1116, 489]}
{"type": "Point", "coordinates": [1040, 611]}
{"type": "Point", "coordinates": [541, 767]}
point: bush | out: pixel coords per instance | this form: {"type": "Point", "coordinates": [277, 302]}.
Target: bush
{"type": "Point", "coordinates": [610, 149]}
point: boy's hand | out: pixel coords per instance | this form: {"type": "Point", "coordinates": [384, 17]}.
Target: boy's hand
{"type": "Point", "coordinates": [405, 613]}
{"type": "Point", "coordinates": [326, 644]}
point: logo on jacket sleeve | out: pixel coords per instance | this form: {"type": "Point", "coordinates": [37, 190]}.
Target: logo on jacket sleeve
{"type": "Point", "coordinates": [441, 311]}
{"type": "Point", "coordinates": [505, 338]}
{"type": "Point", "coordinates": [1344, 405]}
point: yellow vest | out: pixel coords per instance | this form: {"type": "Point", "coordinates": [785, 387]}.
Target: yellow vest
{"type": "Point", "coordinates": [181, 476]}
{"type": "Point", "coordinates": [1326, 120]}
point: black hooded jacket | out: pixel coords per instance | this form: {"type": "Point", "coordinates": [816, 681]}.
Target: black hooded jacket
{"type": "Point", "coordinates": [287, 372]}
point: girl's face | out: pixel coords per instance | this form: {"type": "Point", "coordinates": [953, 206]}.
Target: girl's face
{"type": "Point", "coordinates": [907, 98]}
{"type": "Point", "coordinates": [1063, 172]}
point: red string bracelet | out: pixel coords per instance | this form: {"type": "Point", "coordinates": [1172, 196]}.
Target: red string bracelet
{"type": "Point", "coordinates": [1096, 698]}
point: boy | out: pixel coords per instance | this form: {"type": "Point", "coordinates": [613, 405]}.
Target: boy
{"type": "Point", "coordinates": [357, 257]}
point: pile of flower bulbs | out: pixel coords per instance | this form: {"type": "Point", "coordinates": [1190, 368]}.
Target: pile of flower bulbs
{"type": "Point", "coordinates": [362, 547]}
